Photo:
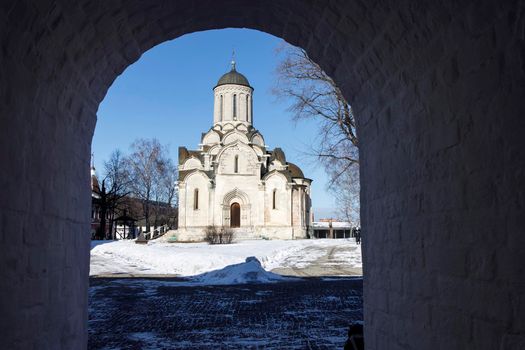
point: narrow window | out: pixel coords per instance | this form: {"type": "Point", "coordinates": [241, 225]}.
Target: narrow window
{"type": "Point", "coordinates": [236, 164]}
{"type": "Point", "coordinates": [247, 119]}
{"type": "Point", "coordinates": [220, 111]}
{"type": "Point", "coordinates": [234, 107]}
{"type": "Point", "coordinates": [274, 195]}
{"type": "Point", "coordinates": [196, 199]}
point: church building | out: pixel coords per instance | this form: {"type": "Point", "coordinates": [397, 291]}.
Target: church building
{"type": "Point", "coordinates": [234, 181]}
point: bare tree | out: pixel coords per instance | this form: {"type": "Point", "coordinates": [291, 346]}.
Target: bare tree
{"type": "Point", "coordinates": [145, 165]}
{"type": "Point", "coordinates": [117, 178]}
{"type": "Point", "coordinates": [153, 178]}
{"type": "Point", "coordinates": [316, 96]}
{"type": "Point", "coordinates": [170, 189]}
{"type": "Point", "coordinates": [113, 188]}
{"type": "Point", "coordinates": [348, 196]}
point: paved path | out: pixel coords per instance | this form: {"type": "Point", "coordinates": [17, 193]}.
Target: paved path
{"type": "Point", "coordinates": [312, 313]}
{"type": "Point", "coordinates": [332, 261]}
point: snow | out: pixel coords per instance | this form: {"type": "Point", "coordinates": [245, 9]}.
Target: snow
{"type": "Point", "coordinates": [249, 271]}
{"type": "Point", "coordinates": [350, 257]}
{"type": "Point", "coordinates": [193, 259]}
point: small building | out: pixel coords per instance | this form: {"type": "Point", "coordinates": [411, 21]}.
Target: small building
{"type": "Point", "coordinates": [331, 228]}
{"type": "Point", "coordinates": [96, 213]}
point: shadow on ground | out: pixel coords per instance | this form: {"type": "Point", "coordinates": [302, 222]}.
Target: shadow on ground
{"type": "Point", "coordinates": [160, 313]}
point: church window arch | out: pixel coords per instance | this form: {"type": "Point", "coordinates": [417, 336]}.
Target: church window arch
{"type": "Point", "coordinates": [247, 104]}
{"type": "Point", "coordinates": [274, 199]}
{"type": "Point", "coordinates": [234, 106]}
{"type": "Point", "coordinates": [196, 199]}
{"type": "Point", "coordinates": [236, 164]}
{"type": "Point", "coordinates": [251, 109]}
{"type": "Point", "coordinates": [221, 104]}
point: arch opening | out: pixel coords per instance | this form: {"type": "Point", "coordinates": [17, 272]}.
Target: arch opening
{"type": "Point", "coordinates": [424, 122]}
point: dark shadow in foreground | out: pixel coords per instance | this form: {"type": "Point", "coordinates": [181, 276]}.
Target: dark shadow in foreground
{"type": "Point", "coordinates": [161, 313]}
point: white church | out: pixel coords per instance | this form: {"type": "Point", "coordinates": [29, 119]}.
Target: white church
{"type": "Point", "coordinates": [233, 180]}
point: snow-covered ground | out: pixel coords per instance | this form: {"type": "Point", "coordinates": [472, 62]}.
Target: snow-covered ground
{"type": "Point", "coordinates": [191, 259]}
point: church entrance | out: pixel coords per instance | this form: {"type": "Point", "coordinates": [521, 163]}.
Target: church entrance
{"type": "Point", "coordinates": [235, 215]}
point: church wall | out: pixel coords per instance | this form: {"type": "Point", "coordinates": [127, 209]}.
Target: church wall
{"type": "Point", "coordinates": [227, 91]}
{"type": "Point", "coordinates": [274, 232]}
{"type": "Point", "coordinates": [250, 208]}
{"type": "Point", "coordinates": [216, 108]}
{"type": "Point", "coordinates": [301, 211]}
{"type": "Point", "coordinates": [211, 138]}
{"type": "Point", "coordinates": [196, 216]}
{"type": "Point", "coordinates": [281, 213]}
{"type": "Point", "coordinates": [234, 136]}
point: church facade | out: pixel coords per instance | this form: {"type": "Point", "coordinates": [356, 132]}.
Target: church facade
{"type": "Point", "coordinates": [233, 180]}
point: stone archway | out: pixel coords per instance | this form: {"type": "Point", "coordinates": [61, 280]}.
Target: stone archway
{"type": "Point", "coordinates": [240, 198]}
{"type": "Point", "coordinates": [437, 88]}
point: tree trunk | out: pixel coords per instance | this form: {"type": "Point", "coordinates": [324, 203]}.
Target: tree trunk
{"type": "Point", "coordinates": [102, 227]}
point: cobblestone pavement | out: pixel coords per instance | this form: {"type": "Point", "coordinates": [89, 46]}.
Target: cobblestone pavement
{"type": "Point", "coordinates": [313, 313]}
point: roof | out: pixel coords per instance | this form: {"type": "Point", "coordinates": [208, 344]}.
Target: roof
{"type": "Point", "coordinates": [95, 187]}
{"type": "Point", "coordinates": [184, 154]}
{"type": "Point", "coordinates": [295, 171]}
{"type": "Point", "coordinates": [278, 154]}
{"type": "Point", "coordinates": [184, 173]}
{"type": "Point", "coordinates": [233, 77]}
{"type": "Point", "coordinates": [335, 224]}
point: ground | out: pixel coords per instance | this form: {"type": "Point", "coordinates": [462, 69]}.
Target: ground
{"type": "Point", "coordinates": [249, 295]}
{"type": "Point", "coordinates": [312, 313]}
{"type": "Point", "coordinates": [308, 257]}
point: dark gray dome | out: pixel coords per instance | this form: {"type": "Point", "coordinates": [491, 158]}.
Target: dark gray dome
{"type": "Point", "coordinates": [233, 77]}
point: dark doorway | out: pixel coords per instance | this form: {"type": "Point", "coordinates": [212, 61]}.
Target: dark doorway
{"type": "Point", "coordinates": [235, 215]}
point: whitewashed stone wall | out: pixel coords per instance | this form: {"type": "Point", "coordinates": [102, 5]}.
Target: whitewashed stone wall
{"type": "Point", "coordinates": [188, 213]}
{"type": "Point", "coordinates": [437, 87]}
{"type": "Point", "coordinates": [243, 104]}
{"type": "Point", "coordinates": [281, 213]}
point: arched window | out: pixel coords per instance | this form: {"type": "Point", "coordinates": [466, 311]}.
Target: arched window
{"type": "Point", "coordinates": [247, 104]}
{"type": "Point", "coordinates": [220, 110]}
{"type": "Point", "coordinates": [196, 199]}
{"type": "Point", "coordinates": [236, 164]}
{"type": "Point", "coordinates": [234, 107]}
{"type": "Point", "coordinates": [274, 199]}
{"type": "Point", "coordinates": [251, 109]}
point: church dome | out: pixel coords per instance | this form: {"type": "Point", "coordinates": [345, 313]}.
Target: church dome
{"type": "Point", "coordinates": [295, 171]}
{"type": "Point", "coordinates": [233, 77]}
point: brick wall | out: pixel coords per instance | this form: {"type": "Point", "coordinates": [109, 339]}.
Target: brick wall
{"type": "Point", "coordinates": [437, 89]}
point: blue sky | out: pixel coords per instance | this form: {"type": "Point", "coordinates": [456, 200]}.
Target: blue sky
{"type": "Point", "coordinates": [167, 94]}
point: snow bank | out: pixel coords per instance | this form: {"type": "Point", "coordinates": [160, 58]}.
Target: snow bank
{"type": "Point", "coordinates": [250, 271]}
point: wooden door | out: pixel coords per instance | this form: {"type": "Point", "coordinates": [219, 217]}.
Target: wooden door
{"type": "Point", "coordinates": [235, 215]}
